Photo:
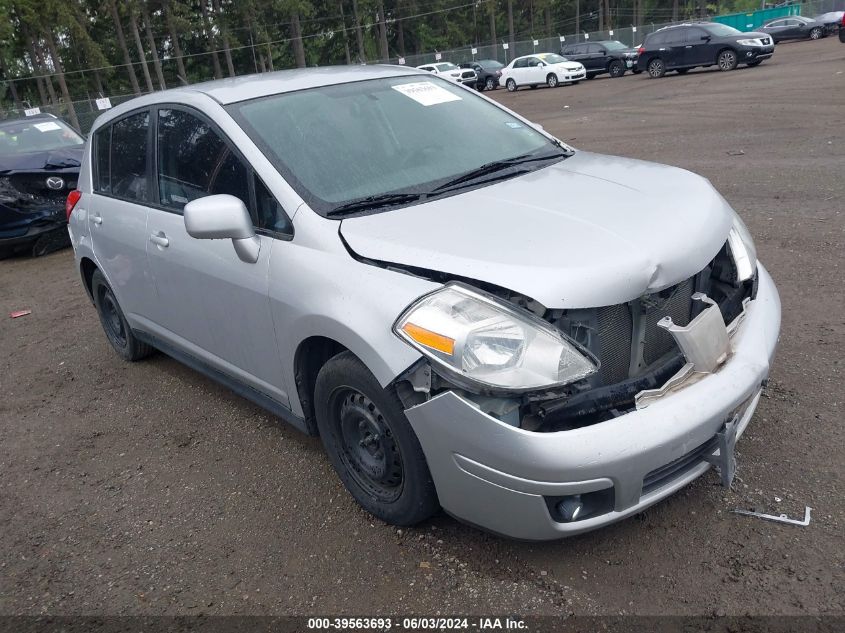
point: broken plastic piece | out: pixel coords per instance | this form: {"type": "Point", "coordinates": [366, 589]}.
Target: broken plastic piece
{"type": "Point", "coordinates": [704, 341]}
{"type": "Point", "coordinates": [781, 518]}
{"type": "Point", "coordinates": [19, 313]}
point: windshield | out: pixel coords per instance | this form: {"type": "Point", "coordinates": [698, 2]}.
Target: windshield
{"type": "Point", "coordinates": [36, 135]}
{"type": "Point", "coordinates": [613, 45]}
{"type": "Point", "coordinates": [341, 143]}
{"type": "Point", "coordinates": [490, 64]}
{"type": "Point", "coordinates": [446, 66]}
{"type": "Point", "coordinates": [552, 58]}
{"type": "Point", "coordinates": [721, 30]}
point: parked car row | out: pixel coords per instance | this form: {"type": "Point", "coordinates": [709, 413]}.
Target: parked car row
{"type": "Point", "coordinates": [678, 48]}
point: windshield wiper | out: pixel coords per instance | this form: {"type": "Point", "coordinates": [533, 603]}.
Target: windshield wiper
{"type": "Point", "coordinates": [374, 202]}
{"type": "Point", "coordinates": [493, 167]}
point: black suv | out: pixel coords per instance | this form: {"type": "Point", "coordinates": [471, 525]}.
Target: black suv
{"type": "Point", "coordinates": [39, 166]}
{"type": "Point", "coordinates": [688, 46]}
{"type": "Point", "coordinates": [488, 72]}
{"type": "Point", "coordinates": [608, 56]}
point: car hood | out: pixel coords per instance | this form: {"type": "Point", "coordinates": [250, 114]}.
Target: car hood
{"type": "Point", "coordinates": [48, 160]}
{"type": "Point", "coordinates": [750, 35]}
{"type": "Point", "coordinates": [588, 231]}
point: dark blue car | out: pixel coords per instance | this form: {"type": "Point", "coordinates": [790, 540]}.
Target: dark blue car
{"type": "Point", "coordinates": [39, 166]}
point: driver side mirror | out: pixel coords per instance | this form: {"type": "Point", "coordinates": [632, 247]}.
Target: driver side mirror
{"type": "Point", "coordinates": [221, 217]}
{"type": "Point", "coordinates": [541, 64]}
{"type": "Point", "coordinates": [705, 38]}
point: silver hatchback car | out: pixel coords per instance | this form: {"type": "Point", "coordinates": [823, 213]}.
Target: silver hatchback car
{"type": "Point", "coordinates": [471, 314]}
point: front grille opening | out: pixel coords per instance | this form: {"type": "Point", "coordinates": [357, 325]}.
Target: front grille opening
{"type": "Point", "coordinates": [675, 469]}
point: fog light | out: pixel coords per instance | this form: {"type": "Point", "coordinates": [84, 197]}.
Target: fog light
{"type": "Point", "coordinates": [570, 508]}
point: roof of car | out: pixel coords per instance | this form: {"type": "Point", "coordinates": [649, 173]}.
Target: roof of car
{"type": "Point", "coordinates": [34, 117]}
{"type": "Point", "coordinates": [246, 87]}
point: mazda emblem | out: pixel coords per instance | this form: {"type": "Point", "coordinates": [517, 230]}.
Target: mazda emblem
{"type": "Point", "coordinates": [55, 183]}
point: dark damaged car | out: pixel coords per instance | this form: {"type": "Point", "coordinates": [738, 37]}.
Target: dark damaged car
{"type": "Point", "coordinates": [39, 166]}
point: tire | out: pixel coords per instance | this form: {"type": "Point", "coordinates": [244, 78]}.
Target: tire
{"type": "Point", "coordinates": [616, 69]}
{"type": "Point", "coordinates": [551, 80]}
{"type": "Point", "coordinates": [490, 84]}
{"type": "Point", "coordinates": [816, 33]}
{"type": "Point", "coordinates": [511, 85]}
{"type": "Point", "coordinates": [727, 60]}
{"type": "Point", "coordinates": [370, 443]}
{"type": "Point", "coordinates": [656, 68]}
{"type": "Point", "coordinates": [682, 71]}
{"type": "Point", "coordinates": [50, 242]}
{"type": "Point", "coordinates": [117, 330]}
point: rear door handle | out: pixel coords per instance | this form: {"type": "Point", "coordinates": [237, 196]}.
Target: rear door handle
{"type": "Point", "coordinates": [160, 239]}
{"type": "Point", "coordinates": [96, 219]}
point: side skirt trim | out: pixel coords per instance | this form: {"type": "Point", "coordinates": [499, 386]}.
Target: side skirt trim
{"type": "Point", "coordinates": [245, 391]}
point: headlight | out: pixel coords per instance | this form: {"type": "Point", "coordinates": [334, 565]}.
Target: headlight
{"type": "Point", "coordinates": [477, 337]}
{"type": "Point", "coordinates": [742, 250]}
{"type": "Point", "coordinates": [752, 42]}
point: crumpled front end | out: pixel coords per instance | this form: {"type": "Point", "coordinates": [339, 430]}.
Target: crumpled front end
{"type": "Point", "coordinates": [496, 472]}
{"type": "Point", "coordinates": [32, 203]}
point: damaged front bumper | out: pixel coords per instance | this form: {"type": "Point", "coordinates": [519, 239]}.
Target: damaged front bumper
{"type": "Point", "coordinates": [511, 481]}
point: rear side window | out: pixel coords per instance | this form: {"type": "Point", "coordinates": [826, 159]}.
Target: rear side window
{"type": "Point", "coordinates": [194, 161]}
{"type": "Point", "coordinates": [129, 139]}
{"type": "Point", "coordinates": [655, 40]}
{"type": "Point", "coordinates": [102, 142]}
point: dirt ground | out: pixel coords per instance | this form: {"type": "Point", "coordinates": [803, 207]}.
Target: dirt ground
{"type": "Point", "coordinates": [147, 489]}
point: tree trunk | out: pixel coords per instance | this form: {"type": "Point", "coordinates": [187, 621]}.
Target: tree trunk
{"type": "Point", "coordinates": [511, 52]}
{"type": "Point", "coordinates": [224, 32]}
{"type": "Point", "coordinates": [608, 18]}
{"type": "Point", "coordinates": [577, 19]}
{"type": "Point", "coordinates": [139, 46]}
{"type": "Point", "coordinates": [601, 15]}
{"type": "Point", "coordinates": [345, 36]}
{"type": "Point", "coordinates": [298, 48]}
{"type": "Point", "coordinates": [384, 53]}
{"type": "Point", "coordinates": [121, 42]}
{"type": "Point", "coordinates": [48, 77]}
{"type": "Point", "coordinates": [359, 34]}
{"type": "Point", "coordinates": [547, 19]}
{"type": "Point", "coordinates": [212, 41]}
{"type": "Point", "coordinates": [37, 71]}
{"type": "Point", "coordinates": [145, 14]}
{"type": "Point", "coordinates": [269, 58]}
{"type": "Point", "coordinates": [491, 8]}
{"type": "Point", "coordinates": [174, 40]}
{"type": "Point", "coordinates": [60, 71]}
{"type": "Point", "coordinates": [400, 34]}
{"type": "Point", "coordinates": [12, 88]}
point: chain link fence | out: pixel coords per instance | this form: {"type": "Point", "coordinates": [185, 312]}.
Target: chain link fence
{"type": "Point", "coordinates": [87, 110]}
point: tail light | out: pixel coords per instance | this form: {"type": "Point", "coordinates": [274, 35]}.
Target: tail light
{"type": "Point", "coordinates": [72, 198]}
{"type": "Point", "coordinates": [641, 50]}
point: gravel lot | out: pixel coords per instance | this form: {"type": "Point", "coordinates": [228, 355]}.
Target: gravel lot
{"type": "Point", "coordinates": [147, 489]}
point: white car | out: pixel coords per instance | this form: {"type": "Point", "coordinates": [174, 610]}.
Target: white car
{"type": "Point", "coordinates": [544, 68]}
{"type": "Point", "coordinates": [448, 70]}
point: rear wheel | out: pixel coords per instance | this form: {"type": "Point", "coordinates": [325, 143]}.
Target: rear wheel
{"type": "Point", "coordinates": [114, 324]}
{"type": "Point", "coordinates": [371, 444]}
{"type": "Point", "coordinates": [551, 80]}
{"type": "Point", "coordinates": [727, 60]}
{"type": "Point", "coordinates": [816, 33]}
{"type": "Point", "coordinates": [490, 84]}
{"type": "Point", "coordinates": [656, 68]}
{"type": "Point", "coordinates": [511, 84]}
{"type": "Point", "coordinates": [616, 69]}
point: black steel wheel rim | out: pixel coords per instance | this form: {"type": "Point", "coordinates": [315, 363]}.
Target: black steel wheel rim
{"type": "Point", "coordinates": [111, 318]}
{"type": "Point", "coordinates": [367, 448]}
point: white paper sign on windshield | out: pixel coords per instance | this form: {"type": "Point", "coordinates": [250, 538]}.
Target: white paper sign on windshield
{"type": "Point", "coordinates": [426, 93]}
{"type": "Point", "coordinates": [48, 127]}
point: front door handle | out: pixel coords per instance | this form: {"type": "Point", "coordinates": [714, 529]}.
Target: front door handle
{"type": "Point", "coordinates": [160, 239]}
{"type": "Point", "coordinates": [96, 219]}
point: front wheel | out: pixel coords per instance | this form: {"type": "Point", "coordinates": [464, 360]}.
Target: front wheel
{"type": "Point", "coordinates": [551, 80]}
{"type": "Point", "coordinates": [370, 443]}
{"type": "Point", "coordinates": [727, 60]}
{"type": "Point", "coordinates": [656, 68]}
{"type": "Point", "coordinates": [490, 84]}
{"type": "Point", "coordinates": [816, 33]}
{"type": "Point", "coordinates": [511, 85]}
{"type": "Point", "coordinates": [616, 69]}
